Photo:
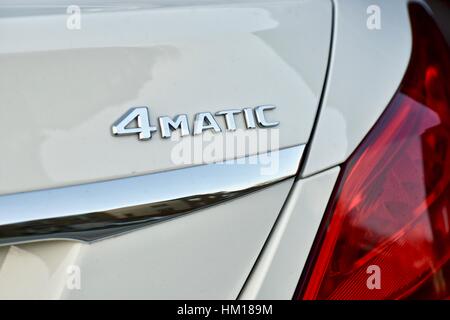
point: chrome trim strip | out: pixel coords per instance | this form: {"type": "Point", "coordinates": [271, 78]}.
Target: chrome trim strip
{"type": "Point", "coordinates": [98, 210]}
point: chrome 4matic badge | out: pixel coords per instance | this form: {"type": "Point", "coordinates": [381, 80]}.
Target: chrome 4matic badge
{"type": "Point", "coordinates": [137, 121]}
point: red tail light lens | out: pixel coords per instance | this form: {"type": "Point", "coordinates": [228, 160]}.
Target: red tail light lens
{"type": "Point", "coordinates": [389, 216]}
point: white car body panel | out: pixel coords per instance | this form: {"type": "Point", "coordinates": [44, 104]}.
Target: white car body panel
{"type": "Point", "coordinates": [279, 266]}
{"type": "Point", "coordinates": [186, 58]}
{"type": "Point", "coordinates": [37, 270]}
{"type": "Point", "coordinates": [362, 79]}
{"type": "Point", "coordinates": [205, 255]}
{"type": "Point", "coordinates": [329, 76]}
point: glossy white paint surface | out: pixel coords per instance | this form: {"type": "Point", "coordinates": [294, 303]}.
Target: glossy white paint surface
{"type": "Point", "coordinates": [60, 89]}
{"type": "Point", "coordinates": [280, 264]}
{"type": "Point", "coordinates": [37, 270]}
{"type": "Point", "coordinates": [366, 69]}
{"type": "Point", "coordinates": [204, 255]}
{"type": "Point", "coordinates": [65, 89]}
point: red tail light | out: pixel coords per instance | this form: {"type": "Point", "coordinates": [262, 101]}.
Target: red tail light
{"type": "Point", "coordinates": [389, 216]}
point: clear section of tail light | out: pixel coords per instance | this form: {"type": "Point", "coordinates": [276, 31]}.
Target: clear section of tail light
{"type": "Point", "coordinates": [391, 205]}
